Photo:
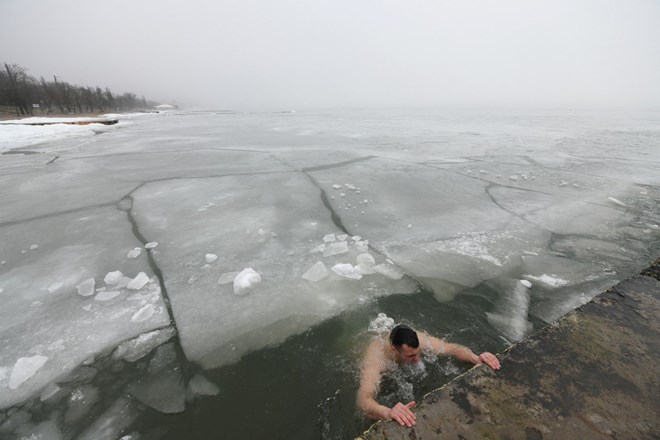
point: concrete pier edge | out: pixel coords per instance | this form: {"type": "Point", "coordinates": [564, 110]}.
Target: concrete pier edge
{"type": "Point", "coordinates": [592, 374]}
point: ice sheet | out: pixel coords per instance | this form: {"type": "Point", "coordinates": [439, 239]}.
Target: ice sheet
{"type": "Point", "coordinates": [216, 325]}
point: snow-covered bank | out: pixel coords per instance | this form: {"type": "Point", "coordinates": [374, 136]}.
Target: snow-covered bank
{"type": "Point", "coordinates": [28, 132]}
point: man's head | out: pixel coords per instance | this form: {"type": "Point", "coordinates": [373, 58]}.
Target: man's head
{"type": "Point", "coordinates": [405, 344]}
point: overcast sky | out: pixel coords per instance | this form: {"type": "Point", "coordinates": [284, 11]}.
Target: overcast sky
{"type": "Point", "coordinates": [294, 54]}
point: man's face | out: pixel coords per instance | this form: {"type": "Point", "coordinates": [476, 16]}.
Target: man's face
{"type": "Point", "coordinates": [406, 354]}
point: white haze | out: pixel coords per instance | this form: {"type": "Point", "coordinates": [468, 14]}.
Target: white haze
{"type": "Point", "coordinates": [370, 53]}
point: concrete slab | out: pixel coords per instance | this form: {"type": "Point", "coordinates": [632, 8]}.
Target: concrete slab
{"type": "Point", "coordinates": [595, 373]}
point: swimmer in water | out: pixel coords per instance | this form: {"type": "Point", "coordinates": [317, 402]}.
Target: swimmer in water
{"type": "Point", "coordinates": [405, 346]}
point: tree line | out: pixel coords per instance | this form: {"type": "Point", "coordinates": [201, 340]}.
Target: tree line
{"type": "Point", "coordinates": [28, 95]}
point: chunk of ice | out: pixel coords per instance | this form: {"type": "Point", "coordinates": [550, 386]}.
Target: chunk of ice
{"type": "Point", "coordinates": [55, 287]}
{"type": "Point", "coordinates": [86, 288]}
{"type": "Point", "coordinates": [25, 368]}
{"type": "Point", "coordinates": [336, 186]}
{"type": "Point", "coordinates": [526, 283]}
{"type": "Point", "coordinates": [210, 258]}
{"type": "Point", "coordinates": [139, 347]}
{"type": "Point", "coordinates": [113, 277]}
{"type": "Point", "coordinates": [329, 238]}
{"type": "Point", "coordinates": [347, 270]}
{"type": "Point", "coordinates": [227, 278]}
{"type": "Point", "coordinates": [113, 421]}
{"type": "Point", "coordinates": [151, 245]}
{"type": "Point", "coordinates": [389, 270]}
{"type": "Point", "coordinates": [34, 246]}
{"type": "Point", "coordinates": [316, 273]}
{"type": "Point", "coordinates": [134, 253]}
{"type": "Point", "coordinates": [107, 295]}
{"type": "Point", "coordinates": [335, 249]}
{"type": "Point", "coordinates": [550, 280]}
{"type": "Point", "coordinates": [246, 280]}
{"type": "Point", "coordinates": [163, 391]}
{"type": "Point", "coordinates": [144, 313]}
{"type": "Point", "coordinates": [80, 403]}
{"type": "Point", "coordinates": [47, 430]}
{"type": "Point", "coordinates": [366, 263]}
{"type": "Point", "coordinates": [201, 386]}
{"type": "Point", "coordinates": [342, 237]}
{"type": "Point", "coordinates": [319, 248]}
{"type": "Point", "coordinates": [138, 282]}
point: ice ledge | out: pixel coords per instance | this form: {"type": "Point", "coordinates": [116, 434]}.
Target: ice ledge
{"type": "Point", "coordinates": [590, 374]}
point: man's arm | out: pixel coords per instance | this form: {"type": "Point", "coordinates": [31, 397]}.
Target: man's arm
{"type": "Point", "coordinates": [438, 346]}
{"type": "Point", "coordinates": [370, 376]}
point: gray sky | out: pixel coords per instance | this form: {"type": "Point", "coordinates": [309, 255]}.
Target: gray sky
{"type": "Point", "coordinates": [293, 54]}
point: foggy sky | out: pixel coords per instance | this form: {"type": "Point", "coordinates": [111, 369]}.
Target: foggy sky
{"type": "Point", "coordinates": [294, 54]}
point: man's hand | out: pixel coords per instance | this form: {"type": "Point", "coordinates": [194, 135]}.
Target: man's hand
{"type": "Point", "coordinates": [402, 414]}
{"type": "Point", "coordinates": [490, 360]}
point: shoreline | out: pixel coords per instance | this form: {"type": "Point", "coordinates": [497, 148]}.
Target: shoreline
{"type": "Point", "coordinates": [590, 374]}
{"type": "Point", "coordinates": [68, 115]}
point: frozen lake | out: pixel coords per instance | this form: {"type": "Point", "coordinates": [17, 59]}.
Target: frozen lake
{"type": "Point", "coordinates": [230, 267]}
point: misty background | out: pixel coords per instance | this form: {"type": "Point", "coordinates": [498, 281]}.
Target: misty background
{"type": "Point", "coordinates": [292, 54]}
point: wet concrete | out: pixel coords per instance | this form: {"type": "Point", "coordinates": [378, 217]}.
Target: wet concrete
{"type": "Point", "coordinates": [593, 374]}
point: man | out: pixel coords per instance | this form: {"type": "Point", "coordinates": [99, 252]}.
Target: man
{"type": "Point", "coordinates": [405, 346]}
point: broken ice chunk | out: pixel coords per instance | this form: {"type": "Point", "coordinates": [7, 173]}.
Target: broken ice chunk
{"type": "Point", "coordinates": [351, 187]}
{"type": "Point", "coordinates": [138, 282]}
{"type": "Point", "coordinates": [227, 278]}
{"type": "Point", "coordinates": [151, 245]}
{"type": "Point", "coordinates": [316, 273]}
{"type": "Point", "coordinates": [144, 313]}
{"type": "Point", "coordinates": [319, 248]}
{"type": "Point", "coordinates": [526, 283]}
{"type": "Point", "coordinates": [86, 288]}
{"type": "Point", "coordinates": [389, 270]}
{"type": "Point", "coordinates": [210, 258]}
{"type": "Point", "coordinates": [110, 424]}
{"type": "Point", "coordinates": [362, 246]}
{"type": "Point", "coordinates": [1, 290]}
{"type": "Point", "coordinates": [107, 296]}
{"type": "Point", "coordinates": [366, 263]}
{"type": "Point", "coordinates": [550, 280]}
{"type": "Point", "coordinates": [139, 347]}
{"type": "Point", "coordinates": [134, 253]}
{"type": "Point", "coordinates": [55, 287]}
{"type": "Point", "coordinates": [25, 368]}
{"type": "Point", "coordinates": [347, 271]}
{"type": "Point", "coordinates": [335, 249]}
{"type": "Point", "coordinates": [342, 237]}
{"type": "Point", "coordinates": [356, 238]}
{"type": "Point", "coordinates": [34, 246]}
{"type": "Point", "coordinates": [201, 386]}
{"type": "Point", "coordinates": [246, 280]}
{"type": "Point", "coordinates": [113, 277]}
{"type": "Point", "coordinates": [335, 186]}
{"type": "Point", "coordinates": [513, 177]}
{"type": "Point", "coordinates": [329, 238]}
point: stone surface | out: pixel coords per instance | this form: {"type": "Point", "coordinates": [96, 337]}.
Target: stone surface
{"type": "Point", "coordinates": [592, 374]}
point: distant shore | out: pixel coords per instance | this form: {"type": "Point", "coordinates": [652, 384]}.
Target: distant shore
{"type": "Point", "coordinates": [7, 117]}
